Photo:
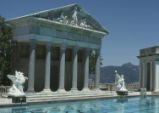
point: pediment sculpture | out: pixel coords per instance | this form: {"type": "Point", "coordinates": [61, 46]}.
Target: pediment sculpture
{"type": "Point", "coordinates": [18, 80]}
{"type": "Point", "coordinates": [84, 24]}
{"type": "Point", "coordinates": [73, 19]}
{"type": "Point", "coordinates": [62, 19]}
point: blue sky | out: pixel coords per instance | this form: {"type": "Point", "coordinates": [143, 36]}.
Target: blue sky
{"type": "Point", "coordinates": [133, 24]}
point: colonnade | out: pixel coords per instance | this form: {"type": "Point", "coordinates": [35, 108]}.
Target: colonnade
{"type": "Point", "coordinates": [149, 75]}
{"type": "Point", "coordinates": [62, 67]}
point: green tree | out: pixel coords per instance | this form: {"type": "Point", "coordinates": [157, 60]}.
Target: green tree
{"type": "Point", "coordinates": [5, 51]}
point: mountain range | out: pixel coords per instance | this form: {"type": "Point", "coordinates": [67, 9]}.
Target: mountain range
{"type": "Point", "coordinates": [129, 70]}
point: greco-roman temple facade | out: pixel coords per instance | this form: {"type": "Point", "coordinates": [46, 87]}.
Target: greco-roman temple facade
{"type": "Point", "coordinates": [52, 48]}
{"type": "Point", "coordinates": [149, 68]}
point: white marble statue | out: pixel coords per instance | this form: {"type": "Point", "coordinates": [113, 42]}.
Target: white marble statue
{"type": "Point", "coordinates": [84, 23]}
{"type": "Point", "coordinates": [17, 88]}
{"type": "Point", "coordinates": [74, 20]}
{"type": "Point", "coordinates": [120, 82]}
{"type": "Point", "coordinates": [62, 18]}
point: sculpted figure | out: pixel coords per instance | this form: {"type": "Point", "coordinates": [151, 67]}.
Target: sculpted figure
{"type": "Point", "coordinates": [74, 17]}
{"type": "Point", "coordinates": [120, 82]}
{"type": "Point", "coordinates": [18, 80]}
{"type": "Point", "coordinates": [62, 19]}
{"type": "Point", "coordinates": [84, 23]}
{"type": "Point", "coordinates": [117, 77]}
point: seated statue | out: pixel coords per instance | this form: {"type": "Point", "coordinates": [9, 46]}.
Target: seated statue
{"type": "Point", "coordinates": [17, 88]}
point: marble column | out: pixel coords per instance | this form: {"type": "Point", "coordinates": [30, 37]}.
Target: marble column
{"type": "Point", "coordinates": [156, 77]}
{"type": "Point", "coordinates": [74, 68]}
{"type": "Point", "coordinates": [31, 66]}
{"type": "Point", "coordinates": [47, 67]}
{"type": "Point", "coordinates": [143, 75]}
{"type": "Point", "coordinates": [86, 69]}
{"type": "Point", "coordinates": [62, 69]}
{"type": "Point", "coordinates": [151, 75]}
{"type": "Point", "coordinates": [146, 74]}
{"type": "Point", "coordinates": [97, 69]}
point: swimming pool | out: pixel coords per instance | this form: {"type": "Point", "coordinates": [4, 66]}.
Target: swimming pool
{"type": "Point", "coordinates": [149, 104]}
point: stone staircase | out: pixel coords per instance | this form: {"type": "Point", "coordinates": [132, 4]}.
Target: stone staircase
{"type": "Point", "coordinates": [55, 96]}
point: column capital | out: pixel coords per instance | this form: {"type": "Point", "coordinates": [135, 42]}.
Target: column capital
{"type": "Point", "coordinates": [97, 51]}
{"type": "Point", "coordinates": [48, 43]}
{"type": "Point", "coordinates": [48, 46]}
{"type": "Point", "coordinates": [87, 49]}
{"type": "Point", "coordinates": [63, 46]}
{"type": "Point", "coordinates": [76, 48]}
{"type": "Point", "coordinates": [33, 41]}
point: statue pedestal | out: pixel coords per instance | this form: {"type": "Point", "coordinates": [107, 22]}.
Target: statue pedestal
{"type": "Point", "coordinates": [122, 93]}
{"type": "Point", "coordinates": [20, 99]}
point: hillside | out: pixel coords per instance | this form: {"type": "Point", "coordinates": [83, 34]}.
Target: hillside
{"type": "Point", "coordinates": [130, 71]}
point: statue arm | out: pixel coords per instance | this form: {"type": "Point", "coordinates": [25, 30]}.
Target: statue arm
{"type": "Point", "coordinates": [11, 77]}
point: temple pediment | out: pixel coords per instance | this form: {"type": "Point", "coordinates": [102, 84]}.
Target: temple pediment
{"type": "Point", "coordinates": [72, 15]}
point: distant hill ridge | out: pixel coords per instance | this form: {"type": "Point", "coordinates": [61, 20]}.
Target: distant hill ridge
{"type": "Point", "coordinates": [130, 72]}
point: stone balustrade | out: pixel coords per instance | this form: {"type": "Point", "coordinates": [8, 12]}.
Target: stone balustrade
{"type": "Point", "coordinates": [4, 90]}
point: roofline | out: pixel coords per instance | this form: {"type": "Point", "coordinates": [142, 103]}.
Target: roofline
{"type": "Point", "coordinates": [146, 55]}
{"type": "Point", "coordinates": [31, 19]}
{"type": "Point", "coordinates": [150, 47]}
{"type": "Point", "coordinates": [43, 11]}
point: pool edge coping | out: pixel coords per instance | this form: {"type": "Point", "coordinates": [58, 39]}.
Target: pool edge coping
{"type": "Point", "coordinates": [67, 99]}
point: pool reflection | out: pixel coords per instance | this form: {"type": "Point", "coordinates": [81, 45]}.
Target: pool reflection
{"type": "Point", "coordinates": [118, 105]}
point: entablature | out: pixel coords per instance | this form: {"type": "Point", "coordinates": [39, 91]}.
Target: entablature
{"type": "Point", "coordinates": [39, 28]}
{"type": "Point", "coordinates": [55, 41]}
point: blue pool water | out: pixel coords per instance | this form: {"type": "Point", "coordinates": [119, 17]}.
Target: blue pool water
{"type": "Point", "coordinates": [114, 105]}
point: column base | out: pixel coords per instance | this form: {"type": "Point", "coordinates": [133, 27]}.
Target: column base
{"type": "Point", "coordinates": [97, 89]}
{"type": "Point", "coordinates": [46, 91]}
{"type": "Point", "coordinates": [30, 91]}
{"type": "Point", "coordinates": [61, 91]}
{"type": "Point", "coordinates": [74, 90]}
{"type": "Point", "coordinates": [86, 90]}
{"type": "Point", "coordinates": [156, 90]}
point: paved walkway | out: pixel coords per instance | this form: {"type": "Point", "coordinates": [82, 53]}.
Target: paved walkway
{"type": "Point", "coordinates": [5, 101]}
{"type": "Point", "coordinates": [47, 98]}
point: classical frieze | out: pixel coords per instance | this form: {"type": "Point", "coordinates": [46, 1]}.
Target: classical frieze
{"type": "Point", "coordinates": [149, 51]}
{"type": "Point", "coordinates": [73, 18]}
{"type": "Point", "coordinates": [77, 37]}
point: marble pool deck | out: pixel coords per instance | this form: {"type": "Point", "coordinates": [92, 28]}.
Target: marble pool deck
{"type": "Point", "coordinates": [48, 97]}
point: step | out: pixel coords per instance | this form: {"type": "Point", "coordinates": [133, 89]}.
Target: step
{"type": "Point", "coordinates": [38, 99]}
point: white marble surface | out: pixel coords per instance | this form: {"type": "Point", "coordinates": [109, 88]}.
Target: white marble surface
{"type": "Point", "coordinates": [5, 101]}
{"type": "Point", "coordinates": [120, 82]}
{"type": "Point", "coordinates": [17, 88]}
